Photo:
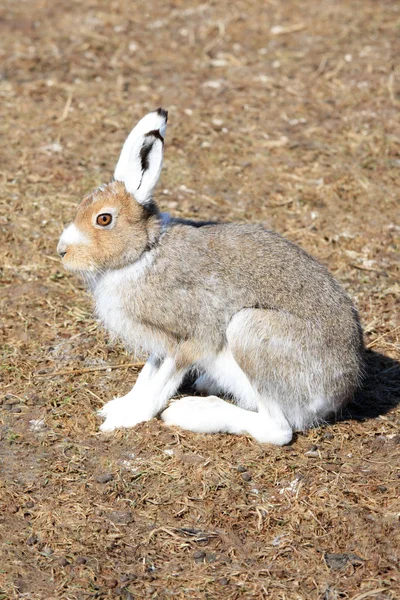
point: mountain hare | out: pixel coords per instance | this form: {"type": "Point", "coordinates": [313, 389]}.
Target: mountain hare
{"type": "Point", "coordinates": [256, 317]}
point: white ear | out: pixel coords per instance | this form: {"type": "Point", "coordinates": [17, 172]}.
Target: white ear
{"type": "Point", "coordinates": [140, 161]}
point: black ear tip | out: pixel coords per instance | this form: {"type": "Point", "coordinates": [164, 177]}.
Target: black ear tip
{"type": "Point", "coordinates": [163, 113]}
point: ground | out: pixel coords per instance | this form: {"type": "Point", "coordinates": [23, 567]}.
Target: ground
{"type": "Point", "coordinates": [281, 112]}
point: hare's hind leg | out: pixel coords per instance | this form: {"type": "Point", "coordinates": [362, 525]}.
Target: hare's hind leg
{"type": "Point", "coordinates": [272, 364]}
{"type": "Point", "coordinates": [223, 376]}
{"type": "Point", "coordinates": [213, 415]}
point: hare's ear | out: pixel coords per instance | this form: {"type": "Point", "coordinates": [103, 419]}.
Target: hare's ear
{"type": "Point", "coordinates": [140, 162]}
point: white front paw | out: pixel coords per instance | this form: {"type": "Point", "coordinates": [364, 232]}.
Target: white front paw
{"type": "Point", "coordinates": [122, 412]}
{"type": "Point", "coordinates": [112, 407]}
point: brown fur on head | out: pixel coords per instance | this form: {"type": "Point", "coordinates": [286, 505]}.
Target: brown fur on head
{"type": "Point", "coordinates": [117, 222]}
{"type": "Point", "coordinates": [87, 245]}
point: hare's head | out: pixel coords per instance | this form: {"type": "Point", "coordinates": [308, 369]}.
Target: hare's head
{"type": "Point", "coordinates": [115, 224]}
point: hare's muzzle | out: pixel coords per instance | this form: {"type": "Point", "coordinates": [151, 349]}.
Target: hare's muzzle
{"type": "Point", "coordinates": [71, 236]}
{"type": "Point", "coordinates": [61, 249]}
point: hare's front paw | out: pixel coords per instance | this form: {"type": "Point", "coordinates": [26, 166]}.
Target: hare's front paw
{"type": "Point", "coordinates": [122, 412]}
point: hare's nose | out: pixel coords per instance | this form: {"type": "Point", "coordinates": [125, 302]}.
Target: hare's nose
{"type": "Point", "coordinates": [61, 248]}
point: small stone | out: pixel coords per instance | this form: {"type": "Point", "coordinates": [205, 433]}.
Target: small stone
{"type": "Point", "coordinates": [199, 556]}
{"type": "Point", "coordinates": [62, 562]}
{"type": "Point", "coordinates": [223, 581]}
{"type": "Point", "coordinates": [104, 477]}
{"type": "Point", "coordinates": [312, 451]}
{"type": "Point", "coordinates": [327, 436]}
{"type": "Point", "coordinates": [332, 467]}
{"type": "Point", "coordinates": [112, 583]}
{"type": "Point", "coordinates": [246, 476]}
{"type": "Point", "coordinates": [29, 504]}
{"type": "Point", "coordinates": [16, 409]}
{"type": "Point", "coordinates": [32, 540]}
{"type": "Point", "coordinates": [81, 560]}
{"type": "Point", "coordinates": [382, 488]}
{"type": "Point", "coordinates": [337, 561]}
{"type": "Point", "coordinates": [121, 517]}
{"type": "Point", "coordinates": [241, 469]}
{"type": "Point", "coordinates": [37, 425]}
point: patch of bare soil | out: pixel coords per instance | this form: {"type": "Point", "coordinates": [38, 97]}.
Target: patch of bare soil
{"type": "Point", "coordinates": [281, 112]}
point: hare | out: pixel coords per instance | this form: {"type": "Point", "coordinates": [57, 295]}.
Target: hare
{"type": "Point", "coordinates": [258, 319]}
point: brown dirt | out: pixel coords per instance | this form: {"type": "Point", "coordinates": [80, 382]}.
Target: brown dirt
{"type": "Point", "coordinates": [285, 112]}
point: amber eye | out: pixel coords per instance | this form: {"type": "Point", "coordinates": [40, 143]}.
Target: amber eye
{"type": "Point", "coordinates": [104, 219]}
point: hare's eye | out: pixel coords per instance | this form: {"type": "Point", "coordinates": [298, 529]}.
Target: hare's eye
{"type": "Point", "coordinates": [104, 219]}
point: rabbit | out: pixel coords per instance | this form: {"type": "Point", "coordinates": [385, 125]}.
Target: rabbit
{"type": "Point", "coordinates": [259, 320]}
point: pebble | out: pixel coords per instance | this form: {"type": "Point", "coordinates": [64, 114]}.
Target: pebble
{"type": "Point", "coordinates": [62, 562]}
{"type": "Point", "coordinates": [241, 469]}
{"type": "Point", "coordinates": [31, 540]}
{"type": "Point", "coordinates": [337, 561]}
{"type": "Point", "coordinates": [223, 581]}
{"type": "Point", "coordinates": [246, 476]}
{"type": "Point", "coordinates": [81, 560]}
{"type": "Point", "coordinates": [121, 517]}
{"type": "Point", "coordinates": [312, 452]}
{"type": "Point", "coordinates": [104, 477]}
{"type": "Point", "coordinates": [199, 555]}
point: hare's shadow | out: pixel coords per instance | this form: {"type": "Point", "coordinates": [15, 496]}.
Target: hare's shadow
{"type": "Point", "coordinates": [380, 391]}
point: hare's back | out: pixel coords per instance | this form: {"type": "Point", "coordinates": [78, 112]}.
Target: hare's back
{"type": "Point", "coordinates": [254, 266]}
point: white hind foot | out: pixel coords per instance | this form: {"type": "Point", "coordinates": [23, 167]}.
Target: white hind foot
{"type": "Point", "coordinates": [214, 415]}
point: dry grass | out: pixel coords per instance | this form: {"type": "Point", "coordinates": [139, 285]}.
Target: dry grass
{"type": "Point", "coordinates": [282, 112]}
